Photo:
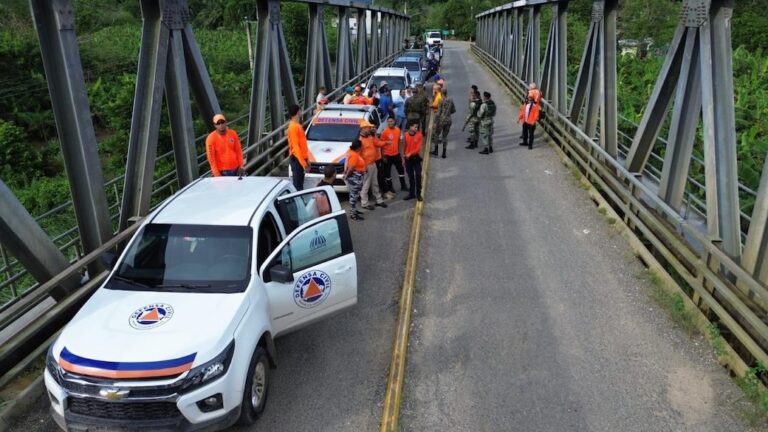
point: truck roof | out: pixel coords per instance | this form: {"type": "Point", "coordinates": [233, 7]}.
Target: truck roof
{"type": "Point", "coordinates": [218, 201]}
{"type": "Point", "coordinates": [346, 111]}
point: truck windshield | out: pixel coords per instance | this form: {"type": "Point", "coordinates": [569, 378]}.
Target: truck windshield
{"type": "Point", "coordinates": [333, 132]}
{"type": "Point", "coordinates": [435, 35]}
{"type": "Point", "coordinates": [186, 258]}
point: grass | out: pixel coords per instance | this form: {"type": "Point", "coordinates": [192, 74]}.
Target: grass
{"type": "Point", "coordinates": [602, 210]}
{"type": "Point", "coordinates": [672, 303]}
{"type": "Point", "coordinates": [716, 340]}
{"type": "Point", "coordinates": [610, 220]}
{"type": "Point", "coordinates": [751, 385]}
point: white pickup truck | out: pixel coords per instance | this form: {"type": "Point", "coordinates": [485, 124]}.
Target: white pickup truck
{"type": "Point", "coordinates": [180, 335]}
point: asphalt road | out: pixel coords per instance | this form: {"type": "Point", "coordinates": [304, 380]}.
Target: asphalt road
{"type": "Point", "coordinates": [529, 315]}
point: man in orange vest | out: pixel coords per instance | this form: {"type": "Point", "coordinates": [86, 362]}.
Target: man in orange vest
{"type": "Point", "coordinates": [372, 154]}
{"type": "Point", "coordinates": [297, 148]}
{"type": "Point", "coordinates": [391, 135]}
{"type": "Point", "coordinates": [354, 171]}
{"type": "Point", "coordinates": [414, 141]}
{"type": "Point", "coordinates": [534, 92]}
{"type": "Point", "coordinates": [529, 115]}
{"type": "Point", "coordinates": [223, 149]}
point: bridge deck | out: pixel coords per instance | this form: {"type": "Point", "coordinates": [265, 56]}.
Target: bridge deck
{"type": "Point", "coordinates": [529, 312]}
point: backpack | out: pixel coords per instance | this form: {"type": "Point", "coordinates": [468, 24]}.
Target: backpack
{"type": "Point", "coordinates": [490, 108]}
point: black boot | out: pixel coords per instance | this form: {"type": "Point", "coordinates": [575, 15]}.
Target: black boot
{"type": "Point", "coordinates": [485, 151]}
{"type": "Point", "coordinates": [434, 152]}
{"type": "Point", "coordinates": [444, 148]}
{"type": "Point", "coordinates": [472, 145]}
{"type": "Point", "coordinates": [490, 149]}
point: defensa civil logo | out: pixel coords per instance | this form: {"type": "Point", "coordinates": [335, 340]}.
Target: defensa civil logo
{"type": "Point", "coordinates": [311, 289]}
{"type": "Point", "coordinates": [151, 316]}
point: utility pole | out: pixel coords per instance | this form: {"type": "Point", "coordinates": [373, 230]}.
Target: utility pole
{"type": "Point", "coordinates": [250, 42]}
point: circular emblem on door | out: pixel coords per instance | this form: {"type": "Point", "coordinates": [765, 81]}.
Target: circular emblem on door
{"type": "Point", "coordinates": [151, 316]}
{"type": "Point", "coordinates": [311, 289]}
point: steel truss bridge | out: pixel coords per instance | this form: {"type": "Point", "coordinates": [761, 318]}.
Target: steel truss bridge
{"type": "Point", "coordinates": [716, 252]}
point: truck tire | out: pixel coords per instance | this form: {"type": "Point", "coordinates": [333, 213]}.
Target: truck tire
{"type": "Point", "coordinates": [256, 388]}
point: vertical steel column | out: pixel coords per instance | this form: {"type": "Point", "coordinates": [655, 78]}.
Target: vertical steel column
{"type": "Point", "coordinates": [559, 96]}
{"type": "Point", "coordinates": [343, 48]}
{"type": "Point", "coordinates": [179, 106]}
{"type": "Point", "coordinates": [720, 128]}
{"type": "Point", "coordinates": [375, 28]}
{"type": "Point", "coordinates": [549, 58]}
{"type": "Point", "coordinates": [362, 43]}
{"type": "Point", "coordinates": [518, 48]}
{"type": "Point", "coordinates": [509, 37]}
{"type": "Point", "coordinates": [25, 240]}
{"type": "Point", "coordinates": [608, 114]}
{"type": "Point", "coordinates": [535, 43]}
{"type": "Point", "coordinates": [388, 39]}
{"type": "Point", "coordinates": [283, 67]}
{"type": "Point", "coordinates": [311, 75]}
{"type": "Point", "coordinates": [55, 24]}
{"type": "Point", "coordinates": [260, 81]}
{"type": "Point", "coordinates": [145, 120]}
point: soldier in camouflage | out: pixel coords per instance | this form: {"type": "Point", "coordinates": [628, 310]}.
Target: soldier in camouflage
{"type": "Point", "coordinates": [486, 113]}
{"type": "Point", "coordinates": [472, 120]}
{"type": "Point", "coordinates": [416, 107]}
{"type": "Point", "coordinates": [445, 109]}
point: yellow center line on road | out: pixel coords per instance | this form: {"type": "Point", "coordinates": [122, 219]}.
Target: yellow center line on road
{"type": "Point", "coordinates": [393, 396]}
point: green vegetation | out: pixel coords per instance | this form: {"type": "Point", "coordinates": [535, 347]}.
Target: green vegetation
{"type": "Point", "coordinates": [672, 303]}
{"type": "Point", "coordinates": [716, 340]}
{"type": "Point", "coordinates": [752, 386]}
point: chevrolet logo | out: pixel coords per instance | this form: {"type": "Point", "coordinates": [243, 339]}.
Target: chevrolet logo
{"type": "Point", "coordinates": [113, 394]}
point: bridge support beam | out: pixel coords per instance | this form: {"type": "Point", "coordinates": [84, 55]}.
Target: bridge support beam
{"type": "Point", "coordinates": [698, 71]}
{"type": "Point", "coordinates": [554, 79]}
{"type": "Point", "coordinates": [344, 66]}
{"type": "Point", "coordinates": [25, 240]}
{"type": "Point", "coordinates": [375, 44]}
{"type": "Point", "coordinates": [596, 82]}
{"type": "Point", "coordinates": [362, 42]}
{"type": "Point", "coordinates": [318, 70]}
{"type": "Point", "coordinates": [169, 56]}
{"type": "Point", "coordinates": [55, 25]}
{"type": "Point", "coordinates": [533, 45]}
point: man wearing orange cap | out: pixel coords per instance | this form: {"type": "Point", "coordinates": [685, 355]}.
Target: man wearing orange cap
{"type": "Point", "coordinates": [223, 149]}
{"type": "Point", "coordinates": [372, 155]}
{"type": "Point", "coordinates": [300, 155]}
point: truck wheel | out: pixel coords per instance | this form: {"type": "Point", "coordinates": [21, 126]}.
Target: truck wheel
{"type": "Point", "coordinates": [256, 386]}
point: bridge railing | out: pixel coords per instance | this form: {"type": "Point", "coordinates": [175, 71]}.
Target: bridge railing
{"type": "Point", "coordinates": [710, 234]}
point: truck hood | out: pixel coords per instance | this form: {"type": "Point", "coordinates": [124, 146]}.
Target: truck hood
{"type": "Point", "coordinates": [328, 151]}
{"type": "Point", "coordinates": [137, 334]}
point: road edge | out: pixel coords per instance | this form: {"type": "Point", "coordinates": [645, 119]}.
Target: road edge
{"type": "Point", "coordinates": [20, 405]}
{"type": "Point", "coordinates": [394, 391]}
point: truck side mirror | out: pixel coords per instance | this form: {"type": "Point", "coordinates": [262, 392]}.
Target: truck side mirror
{"type": "Point", "coordinates": [109, 259]}
{"type": "Point", "coordinates": [280, 273]}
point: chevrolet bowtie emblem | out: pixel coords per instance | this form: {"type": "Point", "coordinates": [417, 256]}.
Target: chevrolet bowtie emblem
{"type": "Point", "coordinates": [113, 394]}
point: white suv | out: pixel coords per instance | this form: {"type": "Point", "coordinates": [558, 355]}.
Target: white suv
{"type": "Point", "coordinates": [397, 78]}
{"type": "Point", "coordinates": [180, 335]}
{"type": "Point", "coordinates": [329, 135]}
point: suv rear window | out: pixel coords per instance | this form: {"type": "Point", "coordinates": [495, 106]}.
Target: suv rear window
{"type": "Point", "coordinates": [393, 82]}
{"type": "Point", "coordinates": [435, 35]}
{"type": "Point", "coordinates": [411, 66]}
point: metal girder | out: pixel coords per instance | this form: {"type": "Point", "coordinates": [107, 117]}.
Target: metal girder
{"type": "Point", "coordinates": [584, 78]}
{"type": "Point", "coordinates": [24, 239]}
{"type": "Point", "coordinates": [658, 105]}
{"type": "Point", "coordinates": [510, 38]}
{"type": "Point", "coordinates": [533, 60]}
{"type": "Point", "coordinates": [719, 117]}
{"type": "Point", "coordinates": [260, 81]}
{"type": "Point", "coordinates": [145, 120]}
{"type": "Point", "coordinates": [608, 113]}
{"type": "Point", "coordinates": [343, 48]}
{"type": "Point", "coordinates": [55, 24]}
{"type": "Point", "coordinates": [517, 42]}
{"type": "Point", "coordinates": [682, 132]}
{"type": "Point", "coordinates": [318, 70]}
{"type": "Point", "coordinates": [282, 89]}
{"type": "Point", "coordinates": [180, 111]}
{"type": "Point", "coordinates": [375, 28]}
{"type": "Point", "coordinates": [199, 79]}
{"type": "Point", "coordinates": [755, 257]}
{"type": "Point", "coordinates": [362, 42]}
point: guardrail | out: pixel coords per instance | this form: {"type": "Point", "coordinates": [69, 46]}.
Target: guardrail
{"type": "Point", "coordinates": [265, 157]}
{"type": "Point", "coordinates": [718, 285]}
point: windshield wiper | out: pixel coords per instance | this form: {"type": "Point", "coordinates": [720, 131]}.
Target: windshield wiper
{"type": "Point", "coordinates": [183, 285]}
{"type": "Point", "coordinates": [130, 281]}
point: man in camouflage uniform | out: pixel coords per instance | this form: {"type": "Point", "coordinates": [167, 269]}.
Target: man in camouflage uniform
{"type": "Point", "coordinates": [473, 121]}
{"type": "Point", "coordinates": [416, 107]}
{"type": "Point", "coordinates": [445, 109]}
{"type": "Point", "coordinates": [486, 113]}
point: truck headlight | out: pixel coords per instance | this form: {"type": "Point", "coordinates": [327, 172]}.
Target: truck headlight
{"type": "Point", "coordinates": [52, 365]}
{"type": "Point", "coordinates": [210, 370]}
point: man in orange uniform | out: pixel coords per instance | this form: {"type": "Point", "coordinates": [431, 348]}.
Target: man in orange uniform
{"type": "Point", "coordinates": [533, 91]}
{"type": "Point", "coordinates": [391, 135]}
{"type": "Point", "coordinates": [297, 148]}
{"type": "Point", "coordinates": [414, 140]}
{"type": "Point", "coordinates": [372, 155]}
{"type": "Point", "coordinates": [529, 115]}
{"type": "Point", "coordinates": [223, 149]}
{"type": "Point", "coordinates": [354, 171]}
